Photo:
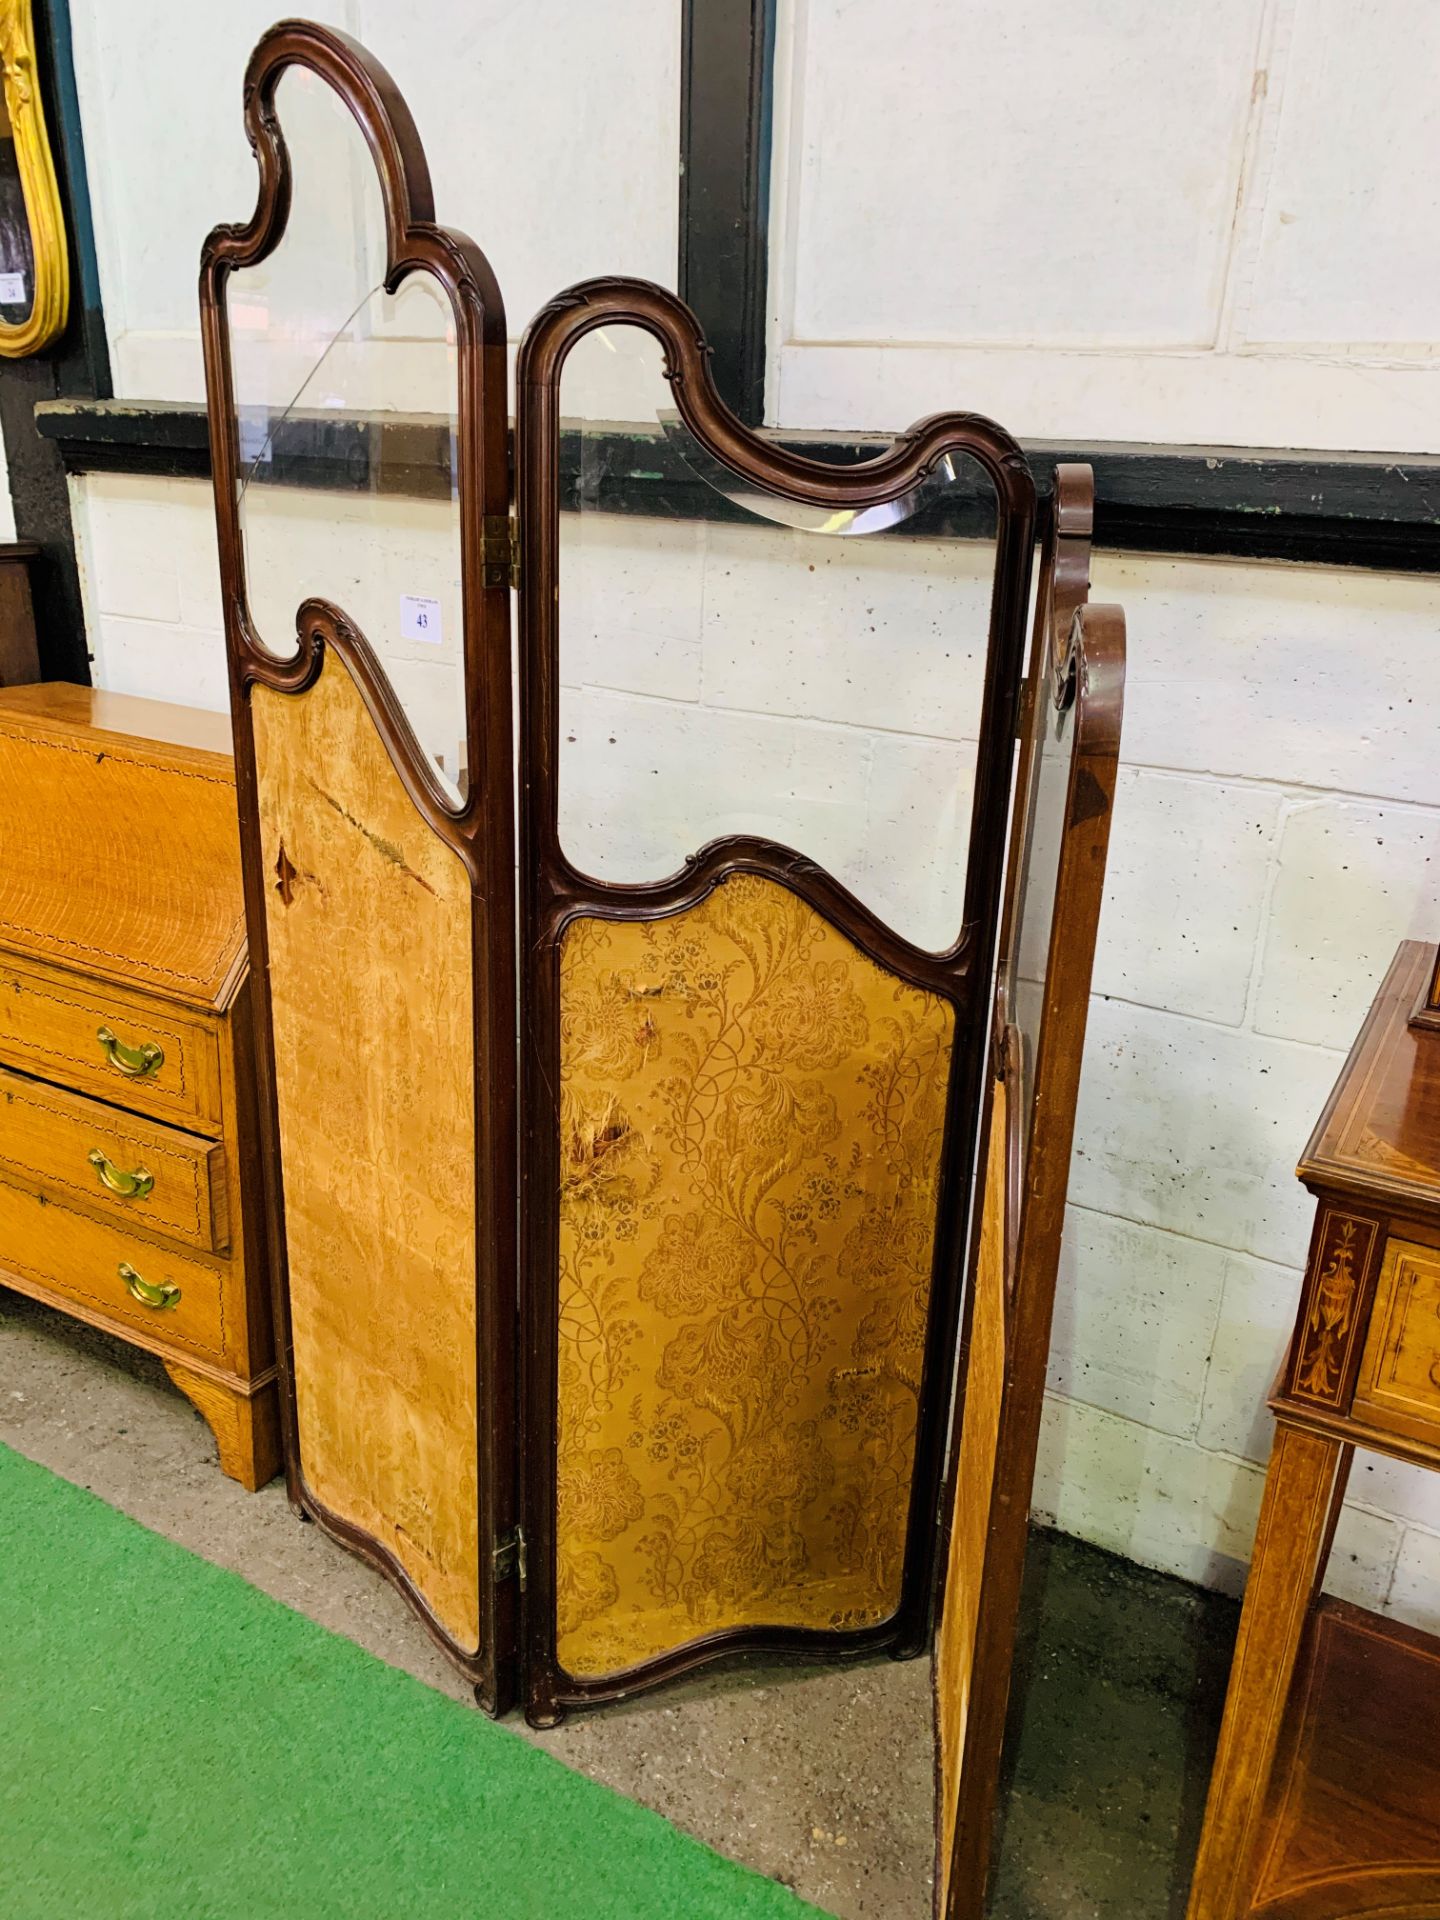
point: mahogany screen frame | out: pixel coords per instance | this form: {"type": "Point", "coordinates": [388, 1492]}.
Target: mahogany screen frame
{"type": "Point", "coordinates": [1077, 658]}
{"type": "Point", "coordinates": [516, 1388]}
{"type": "Point", "coordinates": [554, 893]}
{"type": "Point", "coordinates": [480, 831]}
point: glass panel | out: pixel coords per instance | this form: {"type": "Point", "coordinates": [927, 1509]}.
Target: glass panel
{"type": "Point", "coordinates": [346, 406]}
{"type": "Point", "coordinates": [733, 663]}
{"type": "Point", "coordinates": [1055, 743]}
{"type": "Point", "coordinates": [841, 522]}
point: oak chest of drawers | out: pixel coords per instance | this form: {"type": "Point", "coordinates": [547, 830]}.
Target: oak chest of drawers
{"type": "Point", "coordinates": [128, 1193]}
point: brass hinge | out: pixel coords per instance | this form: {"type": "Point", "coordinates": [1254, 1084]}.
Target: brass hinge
{"type": "Point", "coordinates": [509, 1556]}
{"type": "Point", "coordinates": [500, 558]}
{"type": "Point", "coordinates": [1023, 705]}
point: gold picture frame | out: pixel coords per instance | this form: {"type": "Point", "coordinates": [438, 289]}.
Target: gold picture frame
{"type": "Point", "coordinates": [44, 218]}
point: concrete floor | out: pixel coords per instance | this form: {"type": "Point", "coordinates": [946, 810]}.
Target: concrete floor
{"type": "Point", "coordinates": [820, 1777]}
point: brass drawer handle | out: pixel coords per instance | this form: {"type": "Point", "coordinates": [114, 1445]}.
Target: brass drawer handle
{"type": "Point", "coordinates": [139, 1062]}
{"type": "Point", "coordinates": [167, 1294]}
{"type": "Point", "coordinates": [129, 1186]}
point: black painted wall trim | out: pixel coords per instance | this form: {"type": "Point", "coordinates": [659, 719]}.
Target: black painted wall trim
{"type": "Point", "coordinates": [1350, 510]}
{"type": "Point", "coordinates": [77, 364]}
{"type": "Point", "coordinates": [727, 67]}
{"type": "Point", "coordinates": [69, 136]}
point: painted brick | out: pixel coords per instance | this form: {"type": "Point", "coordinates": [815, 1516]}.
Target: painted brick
{"type": "Point", "coordinates": [1175, 1506]}
{"type": "Point", "coordinates": [630, 600]}
{"type": "Point", "coordinates": [1134, 1313]}
{"type": "Point", "coordinates": [1362, 1560]}
{"type": "Point", "coordinates": [129, 524]}
{"type": "Point", "coordinates": [1196, 1128]}
{"type": "Point", "coordinates": [433, 696]}
{"type": "Point", "coordinates": [644, 782]}
{"type": "Point", "coordinates": [1184, 892]}
{"type": "Point", "coordinates": [191, 522]}
{"type": "Point", "coordinates": [1354, 878]}
{"type": "Point", "coordinates": [1257, 1313]}
{"type": "Point", "coordinates": [360, 551]}
{"type": "Point", "coordinates": [911, 863]}
{"type": "Point", "coordinates": [882, 633]}
{"type": "Point", "coordinates": [1397, 1487]}
{"type": "Point", "coordinates": [135, 577]}
{"type": "Point", "coordinates": [1309, 676]}
{"type": "Point", "coordinates": [158, 662]}
{"type": "Point", "coordinates": [1415, 1590]}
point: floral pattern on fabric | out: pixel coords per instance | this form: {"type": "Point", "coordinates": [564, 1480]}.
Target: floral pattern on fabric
{"type": "Point", "coordinates": [751, 1115]}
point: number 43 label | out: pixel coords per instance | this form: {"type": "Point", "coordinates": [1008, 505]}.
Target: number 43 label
{"type": "Point", "coordinates": [420, 619]}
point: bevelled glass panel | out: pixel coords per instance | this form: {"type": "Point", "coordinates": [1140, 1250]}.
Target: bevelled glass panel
{"type": "Point", "coordinates": [1055, 740]}
{"type": "Point", "coordinates": [732, 662]}
{"type": "Point", "coordinates": [346, 405]}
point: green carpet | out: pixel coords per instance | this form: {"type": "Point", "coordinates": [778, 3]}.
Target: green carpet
{"type": "Point", "coordinates": [173, 1743]}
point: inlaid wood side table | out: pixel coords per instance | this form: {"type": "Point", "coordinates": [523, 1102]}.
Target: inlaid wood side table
{"type": "Point", "coordinates": [1325, 1798]}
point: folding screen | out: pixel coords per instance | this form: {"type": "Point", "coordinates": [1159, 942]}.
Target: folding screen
{"type": "Point", "coordinates": [750, 1098]}
{"type": "Point", "coordinates": [1059, 837]}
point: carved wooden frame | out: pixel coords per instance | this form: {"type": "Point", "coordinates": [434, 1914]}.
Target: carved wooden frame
{"type": "Point", "coordinates": [1077, 658]}
{"type": "Point", "coordinates": [554, 893]}
{"type": "Point", "coordinates": [480, 831]}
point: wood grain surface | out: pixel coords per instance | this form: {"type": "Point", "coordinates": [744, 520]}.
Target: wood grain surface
{"type": "Point", "coordinates": [142, 884]}
{"type": "Point", "coordinates": [47, 1136]}
{"type": "Point", "coordinates": [50, 1251]}
{"type": "Point", "coordinates": [50, 1022]}
{"type": "Point", "coordinates": [974, 1489]}
{"type": "Point", "coordinates": [369, 931]}
{"type": "Point", "coordinates": [1352, 1825]}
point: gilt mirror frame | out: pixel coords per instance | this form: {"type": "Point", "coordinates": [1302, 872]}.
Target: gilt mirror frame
{"type": "Point", "coordinates": [556, 894]}
{"type": "Point", "coordinates": [479, 830]}
{"type": "Point", "coordinates": [45, 219]}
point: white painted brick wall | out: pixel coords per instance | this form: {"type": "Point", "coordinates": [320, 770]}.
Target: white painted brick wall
{"type": "Point", "coordinates": [1275, 835]}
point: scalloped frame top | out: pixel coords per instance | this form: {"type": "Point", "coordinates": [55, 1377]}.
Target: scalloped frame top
{"type": "Point", "coordinates": [414, 243]}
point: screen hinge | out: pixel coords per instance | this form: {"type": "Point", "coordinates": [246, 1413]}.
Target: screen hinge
{"type": "Point", "coordinates": [1024, 705]}
{"type": "Point", "coordinates": [509, 1556]}
{"type": "Point", "coordinates": [500, 558]}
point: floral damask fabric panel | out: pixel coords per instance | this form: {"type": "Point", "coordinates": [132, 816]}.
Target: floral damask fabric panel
{"type": "Point", "coordinates": [752, 1117]}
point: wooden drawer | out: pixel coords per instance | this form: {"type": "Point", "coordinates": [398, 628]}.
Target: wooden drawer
{"type": "Point", "coordinates": [69, 1257]}
{"type": "Point", "coordinates": [50, 1024]}
{"type": "Point", "coordinates": [1399, 1384]}
{"type": "Point", "coordinates": [135, 1173]}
